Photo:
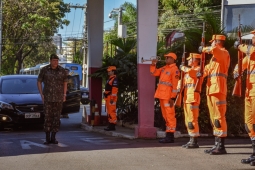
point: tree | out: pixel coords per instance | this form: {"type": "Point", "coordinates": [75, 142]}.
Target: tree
{"type": "Point", "coordinates": [27, 25]}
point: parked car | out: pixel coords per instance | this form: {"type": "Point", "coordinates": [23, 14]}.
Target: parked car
{"type": "Point", "coordinates": [21, 103]}
{"type": "Point", "coordinates": [84, 95]}
{"type": "Point", "coordinates": [73, 96]}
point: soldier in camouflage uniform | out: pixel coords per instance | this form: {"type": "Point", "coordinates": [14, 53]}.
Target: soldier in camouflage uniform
{"type": "Point", "coordinates": [53, 95]}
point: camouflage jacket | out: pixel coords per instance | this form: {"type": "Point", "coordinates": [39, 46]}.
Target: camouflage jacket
{"type": "Point", "coordinates": [53, 83]}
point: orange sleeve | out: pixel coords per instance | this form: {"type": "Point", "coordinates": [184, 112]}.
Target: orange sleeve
{"type": "Point", "coordinates": [175, 79]}
{"type": "Point", "coordinates": [185, 69]}
{"type": "Point", "coordinates": [114, 93]}
{"type": "Point", "coordinates": [208, 49]}
{"type": "Point", "coordinates": [154, 71]}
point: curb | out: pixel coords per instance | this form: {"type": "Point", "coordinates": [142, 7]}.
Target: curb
{"type": "Point", "coordinates": [109, 133]}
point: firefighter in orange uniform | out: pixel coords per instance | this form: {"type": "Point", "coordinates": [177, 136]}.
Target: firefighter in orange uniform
{"type": "Point", "coordinates": [191, 99]}
{"type": "Point", "coordinates": [110, 97]}
{"type": "Point", "coordinates": [166, 93]}
{"type": "Point", "coordinates": [248, 64]}
{"type": "Point", "coordinates": [216, 72]}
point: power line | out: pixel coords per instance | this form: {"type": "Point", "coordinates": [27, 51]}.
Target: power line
{"type": "Point", "coordinates": [80, 23]}
{"type": "Point", "coordinates": [73, 19]}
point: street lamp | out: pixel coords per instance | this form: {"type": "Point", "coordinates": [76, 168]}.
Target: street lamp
{"type": "Point", "coordinates": [122, 29]}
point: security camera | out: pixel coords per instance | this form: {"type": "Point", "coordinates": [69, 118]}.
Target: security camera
{"type": "Point", "coordinates": [110, 15]}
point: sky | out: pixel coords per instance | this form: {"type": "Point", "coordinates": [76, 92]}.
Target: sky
{"type": "Point", "coordinates": [76, 17]}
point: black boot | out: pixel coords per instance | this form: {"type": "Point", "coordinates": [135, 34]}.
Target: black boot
{"type": "Point", "coordinates": [251, 159]}
{"type": "Point", "coordinates": [53, 138]}
{"type": "Point", "coordinates": [47, 138]}
{"type": "Point", "coordinates": [214, 147]}
{"type": "Point", "coordinates": [220, 148]}
{"type": "Point", "coordinates": [184, 146]}
{"type": "Point", "coordinates": [168, 139]}
{"type": "Point", "coordinates": [110, 127]}
{"type": "Point", "coordinates": [191, 144]}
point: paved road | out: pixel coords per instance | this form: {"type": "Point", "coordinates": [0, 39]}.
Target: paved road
{"type": "Point", "coordinates": [81, 150]}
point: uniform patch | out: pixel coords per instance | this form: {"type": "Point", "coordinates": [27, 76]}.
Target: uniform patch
{"type": "Point", "coordinates": [177, 72]}
{"type": "Point", "coordinates": [177, 77]}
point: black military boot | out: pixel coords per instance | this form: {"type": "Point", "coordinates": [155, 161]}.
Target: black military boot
{"type": "Point", "coordinates": [251, 159]}
{"type": "Point", "coordinates": [184, 146]}
{"type": "Point", "coordinates": [191, 144]}
{"type": "Point", "coordinates": [214, 147]}
{"type": "Point", "coordinates": [47, 138]}
{"type": "Point", "coordinates": [110, 127]}
{"type": "Point", "coordinates": [220, 148]}
{"type": "Point", "coordinates": [168, 139]}
{"type": "Point", "coordinates": [53, 138]}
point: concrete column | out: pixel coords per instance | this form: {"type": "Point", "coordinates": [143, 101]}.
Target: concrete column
{"type": "Point", "coordinates": [95, 21]}
{"type": "Point", "coordinates": [147, 47]}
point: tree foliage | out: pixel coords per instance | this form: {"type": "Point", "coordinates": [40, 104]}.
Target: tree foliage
{"type": "Point", "coordinates": [28, 26]}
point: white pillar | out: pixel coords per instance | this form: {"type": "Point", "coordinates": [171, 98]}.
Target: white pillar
{"type": "Point", "coordinates": [147, 47]}
{"type": "Point", "coordinates": [95, 27]}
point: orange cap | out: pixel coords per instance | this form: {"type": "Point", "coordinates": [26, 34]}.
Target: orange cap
{"type": "Point", "coordinates": [218, 37]}
{"type": "Point", "coordinates": [253, 32]}
{"type": "Point", "coordinates": [111, 68]}
{"type": "Point", "coordinates": [173, 55]}
{"type": "Point", "coordinates": [194, 55]}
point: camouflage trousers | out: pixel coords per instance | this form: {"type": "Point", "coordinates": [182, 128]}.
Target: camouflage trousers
{"type": "Point", "coordinates": [52, 111]}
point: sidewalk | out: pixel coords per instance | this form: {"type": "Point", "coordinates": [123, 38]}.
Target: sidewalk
{"type": "Point", "coordinates": [124, 130]}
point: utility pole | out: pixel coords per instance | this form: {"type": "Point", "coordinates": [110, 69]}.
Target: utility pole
{"type": "Point", "coordinates": [1, 22]}
{"type": "Point", "coordinates": [85, 48]}
{"type": "Point", "coordinates": [122, 29]}
{"type": "Point", "coordinates": [84, 60]}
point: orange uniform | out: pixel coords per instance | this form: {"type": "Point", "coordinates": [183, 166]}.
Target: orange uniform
{"type": "Point", "coordinates": [166, 90]}
{"type": "Point", "coordinates": [111, 90]}
{"type": "Point", "coordinates": [110, 96]}
{"type": "Point", "coordinates": [191, 100]}
{"type": "Point", "coordinates": [248, 64]}
{"type": "Point", "coordinates": [217, 72]}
